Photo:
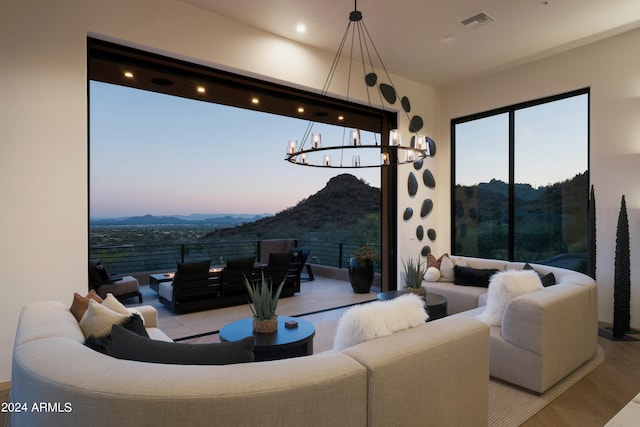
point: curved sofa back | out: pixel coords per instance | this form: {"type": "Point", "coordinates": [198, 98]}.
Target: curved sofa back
{"type": "Point", "coordinates": [79, 386]}
{"type": "Point", "coordinates": [563, 275]}
{"type": "Point", "coordinates": [370, 384]}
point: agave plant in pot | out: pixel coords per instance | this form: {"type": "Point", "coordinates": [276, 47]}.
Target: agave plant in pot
{"type": "Point", "coordinates": [263, 304]}
{"type": "Point", "coordinates": [361, 272]}
{"type": "Point", "coordinates": [414, 271]}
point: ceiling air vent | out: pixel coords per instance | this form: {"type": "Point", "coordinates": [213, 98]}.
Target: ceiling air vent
{"type": "Point", "coordinates": [478, 20]}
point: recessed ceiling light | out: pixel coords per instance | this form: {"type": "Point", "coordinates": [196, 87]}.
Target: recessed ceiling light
{"type": "Point", "coordinates": [300, 110]}
{"type": "Point", "coordinates": [128, 74]}
{"type": "Point", "coordinates": [201, 89]}
{"type": "Point", "coordinates": [255, 101]}
{"type": "Point", "coordinates": [301, 28]}
{"type": "Point", "coordinates": [340, 118]}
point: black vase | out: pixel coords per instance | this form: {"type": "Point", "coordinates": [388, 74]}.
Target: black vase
{"type": "Point", "coordinates": [360, 276]}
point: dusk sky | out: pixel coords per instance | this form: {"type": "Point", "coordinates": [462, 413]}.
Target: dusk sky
{"type": "Point", "coordinates": [550, 144]}
{"type": "Point", "coordinates": [164, 155]}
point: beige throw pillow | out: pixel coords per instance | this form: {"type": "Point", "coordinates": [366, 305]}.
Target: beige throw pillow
{"type": "Point", "coordinates": [98, 319]}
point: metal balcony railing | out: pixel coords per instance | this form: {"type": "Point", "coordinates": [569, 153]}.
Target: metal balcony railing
{"type": "Point", "coordinates": [132, 258]}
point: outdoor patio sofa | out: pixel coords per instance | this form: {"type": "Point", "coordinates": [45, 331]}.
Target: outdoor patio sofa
{"type": "Point", "coordinates": [544, 335]}
{"type": "Point", "coordinates": [196, 286]}
{"type": "Point", "coordinates": [415, 377]}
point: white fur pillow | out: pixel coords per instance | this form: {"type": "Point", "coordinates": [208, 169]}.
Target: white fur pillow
{"type": "Point", "coordinates": [378, 319]}
{"type": "Point", "coordinates": [505, 286]}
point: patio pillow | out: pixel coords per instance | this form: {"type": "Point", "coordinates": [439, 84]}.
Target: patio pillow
{"type": "Point", "coordinates": [131, 346]}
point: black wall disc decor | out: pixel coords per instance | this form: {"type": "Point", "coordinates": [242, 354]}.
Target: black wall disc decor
{"type": "Point", "coordinates": [415, 124]}
{"type": "Point", "coordinates": [432, 147]}
{"type": "Point", "coordinates": [412, 184]}
{"type": "Point", "coordinates": [408, 213]}
{"type": "Point", "coordinates": [427, 207]}
{"type": "Point", "coordinates": [428, 179]}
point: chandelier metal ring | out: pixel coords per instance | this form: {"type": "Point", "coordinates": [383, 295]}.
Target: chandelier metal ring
{"type": "Point", "coordinates": [390, 149]}
{"type": "Point", "coordinates": [411, 155]}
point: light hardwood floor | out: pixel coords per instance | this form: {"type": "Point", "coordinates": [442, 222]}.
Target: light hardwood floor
{"type": "Point", "coordinates": [596, 398]}
{"type": "Point", "coordinates": [5, 387]}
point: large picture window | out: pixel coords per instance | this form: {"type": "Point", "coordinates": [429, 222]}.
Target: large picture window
{"type": "Point", "coordinates": [521, 182]}
{"type": "Point", "coordinates": [169, 138]}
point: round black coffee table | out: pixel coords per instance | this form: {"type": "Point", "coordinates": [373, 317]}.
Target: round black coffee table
{"type": "Point", "coordinates": [436, 305]}
{"type": "Point", "coordinates": [282, 344]}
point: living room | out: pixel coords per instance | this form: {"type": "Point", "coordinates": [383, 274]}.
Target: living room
{"type": "Point", "coordinates": [44, 126]}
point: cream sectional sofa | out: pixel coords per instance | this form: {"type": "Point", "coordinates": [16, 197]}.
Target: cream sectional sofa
{"type": "Point", "coordinates": [414, 377]}
{"type": "Point", "coordinates": [544, 336]}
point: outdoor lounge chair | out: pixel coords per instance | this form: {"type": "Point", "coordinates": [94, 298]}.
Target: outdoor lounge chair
{"type": "Point", "coordinates": [104, 283]}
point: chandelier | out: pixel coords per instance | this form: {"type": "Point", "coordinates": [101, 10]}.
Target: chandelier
{"type": "Point", "coordinates": [353, 152]}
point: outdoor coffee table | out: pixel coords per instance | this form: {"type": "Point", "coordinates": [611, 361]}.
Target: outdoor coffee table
{"type": "Point", "coordinates": [282, 344]}
{"type": "Point", "coordinates": [436, 305]}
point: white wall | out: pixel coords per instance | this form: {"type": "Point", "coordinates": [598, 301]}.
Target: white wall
{"type": "Point", "coordinates": [43, 122]}
{"type": "Point", "coordinates": [611, 68]}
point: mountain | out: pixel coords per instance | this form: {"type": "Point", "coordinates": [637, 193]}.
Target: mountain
{"type": "Point", "coordinates": [344, 201]}
{"type": "Point", "coordinates": [214, 220]}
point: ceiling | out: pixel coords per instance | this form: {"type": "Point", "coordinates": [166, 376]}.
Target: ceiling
{"type": "Point", "coordinates": [425, 40]}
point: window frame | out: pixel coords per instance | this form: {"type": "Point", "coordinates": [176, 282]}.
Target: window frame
{"type": "Point", "coordinates": [511, 111]}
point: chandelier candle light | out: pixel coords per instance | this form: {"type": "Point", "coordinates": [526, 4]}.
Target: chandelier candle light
{"type": "Point", "coordinates": [311, 152]}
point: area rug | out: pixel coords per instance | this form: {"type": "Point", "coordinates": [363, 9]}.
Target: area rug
{"type": "Point", "coordinates": [511, 406]}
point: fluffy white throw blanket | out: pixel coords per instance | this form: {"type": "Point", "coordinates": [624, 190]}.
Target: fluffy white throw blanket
{"type": "Point", "coordinates": [505, 286]}
{"type": "Point", "coordinates": [377, 319]}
